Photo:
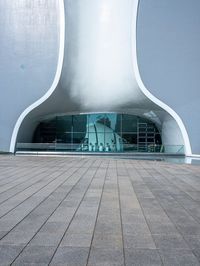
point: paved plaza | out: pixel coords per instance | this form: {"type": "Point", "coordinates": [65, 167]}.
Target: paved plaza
{"type": "Point", "coordinates": [78, 211]}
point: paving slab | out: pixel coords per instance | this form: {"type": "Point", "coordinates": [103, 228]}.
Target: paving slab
{"type": "Point", "coordinates": [89, 211]}
{"type": "Point", "coordinates": [70, 256]}
{"type": "Point", "coordinates": [142, 257]}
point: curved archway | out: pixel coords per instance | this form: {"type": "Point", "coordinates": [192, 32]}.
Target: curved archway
{"type": "Point", "coordinates": [97, 132]}
{"type": "Point", "coordinates": [98, 72]}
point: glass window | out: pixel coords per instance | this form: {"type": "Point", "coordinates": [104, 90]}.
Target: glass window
{"type": "Point", "coordinates": [63, 124]}
{"type": "Point", "coordinates": [110, 122]}
{"type": "Point", "coordinates": [129, 138]}
{"type": "Point", "coordinates": [129, 123]}
{"type": "Point", "coordinates": [79, 123]}
{"type": "Point", "coordinates": [78, 137]}
{"type": "Point", "coordinates": [96, 121]}
{"type": "Point", "coordinates": [64, 137]}
{"type": "Point", "coordinates": [98, 132]}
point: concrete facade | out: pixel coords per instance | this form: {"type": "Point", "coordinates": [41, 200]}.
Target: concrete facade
{"type": "Point", "coordinates": [46, 43]}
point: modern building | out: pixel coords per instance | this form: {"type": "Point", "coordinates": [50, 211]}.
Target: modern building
{"type": "Point", "coordinates": [100, 76]}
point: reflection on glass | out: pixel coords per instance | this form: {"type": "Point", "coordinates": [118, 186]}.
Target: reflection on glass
{"type": "Point", "coordinates": [108, 132]}
{"type": "Point", "coordinates": [79, 123]}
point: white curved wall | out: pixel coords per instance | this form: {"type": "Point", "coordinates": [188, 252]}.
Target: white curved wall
{"type": "Point", "coordinates": [106, 53]}
{"type": "Point", "coordinates": [99, 54]}
{"type": "Point", "coordinates": [100, 70]}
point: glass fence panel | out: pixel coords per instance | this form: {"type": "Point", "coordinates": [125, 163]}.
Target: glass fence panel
{"type": "Point", "coordinates": [74, 147]}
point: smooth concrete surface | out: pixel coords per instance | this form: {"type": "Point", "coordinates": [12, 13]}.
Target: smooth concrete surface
{"type": "Point", "coordinates": [98, 211]}
{"type": "Point", "coordinates": [29, 40]}
{"type": "Point", "coordinates": [167, 49]}
{"type": "Point", "coordinates": [97, 33]}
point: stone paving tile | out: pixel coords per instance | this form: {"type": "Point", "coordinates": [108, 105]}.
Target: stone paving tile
{"type": "Point", "coordinates": [7, 253]}
{"type": "Point", "coordinates": [106, 257]}
{"type": "Point", "coordinates": [105, 227]}
{"type": "Point", "coordinates": [17, 237]}
{"type": "Point", "coordinates": [169, 242]}
{"type": "Point", "coordinates": [143, 241]}
{"type": "Point", "coordinates": [142, 257]}
{"type": "Point", "coordinates": [35, 254]}
{"type": "Point", "coordinates": [193, 241]}
{"type": "Point", "coordinates": [98, 211]}
{"type": "Point", "coordinates": [110, 241]}
{"type": "Point", "coordinates": [70, 256]}
{"type": "Point", "coordinates": [195, 195]}
{"type": "Point", "coordinates": [76, 240]}
{"type": "Point", "coordinates": [197, 254]}
{"type": "Point", "coordinates": [178, 257]}
{"type": "Point", "coordinates": [46, 239]}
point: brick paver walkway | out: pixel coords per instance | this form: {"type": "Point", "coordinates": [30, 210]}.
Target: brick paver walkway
{"type": "Point", "coordinates": [98, 211]}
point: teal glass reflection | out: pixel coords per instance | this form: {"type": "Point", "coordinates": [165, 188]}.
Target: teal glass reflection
{"type": "Point", "coordinates": [102, 132]}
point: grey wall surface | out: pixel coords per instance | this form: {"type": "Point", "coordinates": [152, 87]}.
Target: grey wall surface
{"type": "Point", "coordinates": [97, 73]}
{"type": "Point", "coordinates": [168, 57]}
{"type": "Point", "coordinates": [168, 46]}
{"type": "Point", "coordinates": [29, 41]}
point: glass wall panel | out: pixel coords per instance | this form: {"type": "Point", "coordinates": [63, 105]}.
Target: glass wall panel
{"type": "Point", "coordinates": [64, 137]}
{"type": "Point", "coordinates": [79, 123]}
{"type": "Point", "coordinates": [45, 132]}
{"type": "Point", "coordinates": [109, 132]}
{"type": "Point", "coordinates": [96, 120]}
{"type": "Point", "coordinates": [79, 137]}
{"type": "Point", "coordinates": [129, 123]}
{"type": "Point", "coordinates": [110, 122]}
{"type": "Point", "coordinates": [63, 124]}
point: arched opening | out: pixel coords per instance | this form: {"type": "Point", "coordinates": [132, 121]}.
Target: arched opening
{"type": "Point", "coordinates": [99, 74]}
{"type": "Point", "coordinates": [95, 132]}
